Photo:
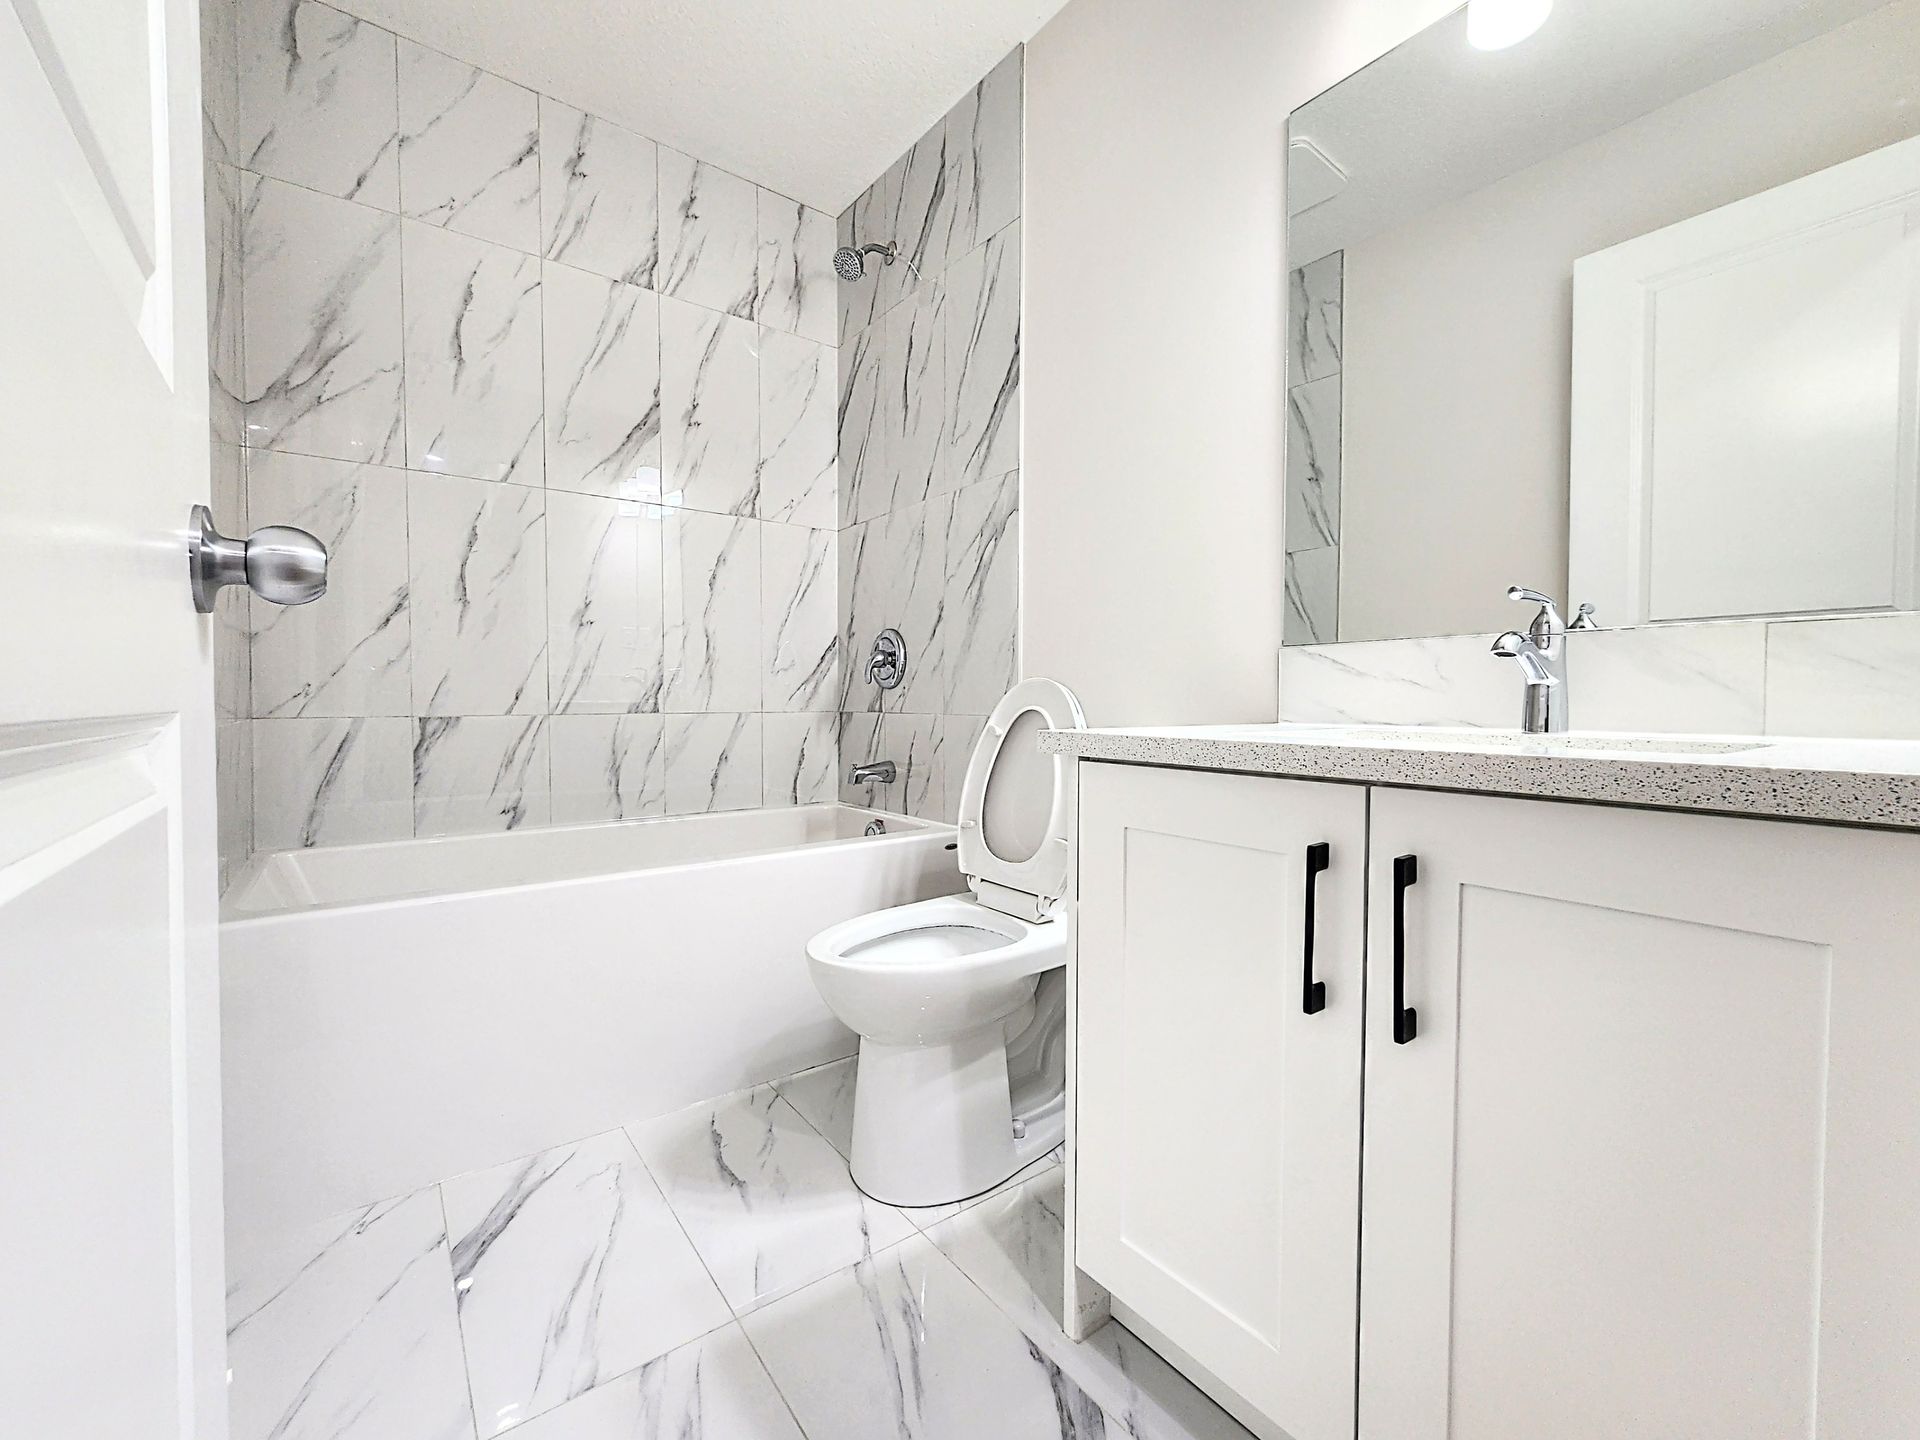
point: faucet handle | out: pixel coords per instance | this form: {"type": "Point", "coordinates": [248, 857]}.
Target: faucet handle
{"type": "Point", "coordinates": [1549, 611]}
{"type": "Point", "coordinates": [1583, 618]}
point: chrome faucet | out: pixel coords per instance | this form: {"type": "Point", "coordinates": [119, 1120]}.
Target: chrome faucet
{"type": "Point", "coordinates": [874, 771]}
{"type": "Point", "coordinates": [1542, 657]}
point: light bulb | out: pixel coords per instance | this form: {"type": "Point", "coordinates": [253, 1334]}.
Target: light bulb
{"type": "Point", "coordinates": [1496, 24]}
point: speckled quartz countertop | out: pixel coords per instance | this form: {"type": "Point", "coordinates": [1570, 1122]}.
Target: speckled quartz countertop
{"type": "Point", "coordinates": [1847, 782]}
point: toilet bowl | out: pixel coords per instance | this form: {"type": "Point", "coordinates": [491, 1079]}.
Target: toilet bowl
{"type": "Point", "coordinates": [960, 1002]}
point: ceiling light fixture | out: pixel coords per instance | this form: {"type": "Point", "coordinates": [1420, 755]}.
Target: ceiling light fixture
{"type": "Point", "coordinates": [1496, 24]}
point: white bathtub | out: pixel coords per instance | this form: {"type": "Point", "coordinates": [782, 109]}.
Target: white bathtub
{"type": "Point", "coordinates": [394, 1014]}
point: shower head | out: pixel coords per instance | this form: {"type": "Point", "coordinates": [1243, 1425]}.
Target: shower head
{"type": "Point", "coordinates": [850, 264]}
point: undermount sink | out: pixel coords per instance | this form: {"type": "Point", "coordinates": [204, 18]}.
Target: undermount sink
{"type": "Point", "coordinates": [1465, 738]}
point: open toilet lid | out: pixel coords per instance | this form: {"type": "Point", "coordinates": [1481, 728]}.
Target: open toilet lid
{"type": "Point", "coordinates": [1017, 805]}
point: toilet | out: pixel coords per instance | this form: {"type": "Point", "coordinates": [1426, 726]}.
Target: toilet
{"type": "Point", "coordinates": [960, 1002]}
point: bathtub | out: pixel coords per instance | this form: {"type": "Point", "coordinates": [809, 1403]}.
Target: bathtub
{"type": "Point", "coordinates": [393, 1014]}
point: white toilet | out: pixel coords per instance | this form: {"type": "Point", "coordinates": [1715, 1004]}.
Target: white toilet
{"type": "Point", "coordinates": [960, 1002]}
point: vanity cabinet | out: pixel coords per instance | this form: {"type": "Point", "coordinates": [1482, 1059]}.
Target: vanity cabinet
{"type": "Point", "coordinates": [1641, 1131]}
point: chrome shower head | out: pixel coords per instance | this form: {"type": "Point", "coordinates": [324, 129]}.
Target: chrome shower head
{"type": "Point", "coordinates": [850, 263]}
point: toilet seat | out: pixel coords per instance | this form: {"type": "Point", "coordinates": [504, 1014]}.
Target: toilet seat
{"type": "Point", "coordinates": [1026, 886]}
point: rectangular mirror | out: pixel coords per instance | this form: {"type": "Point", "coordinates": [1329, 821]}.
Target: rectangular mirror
{"type": "Point", "coordinates": [1627, 311]}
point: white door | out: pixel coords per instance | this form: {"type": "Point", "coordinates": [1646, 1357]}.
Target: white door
{"type": "Point", "coordinates": [1746, 404]}
{"type": "Point", "coordinates": [1645, 1163]}
{"type": "Point", "coordinates": [110, 1292]}
{"type": "Point", "coordinates": [1218, 1095]}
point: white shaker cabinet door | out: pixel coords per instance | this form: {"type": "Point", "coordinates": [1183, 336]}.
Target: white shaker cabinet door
{"type": "Point", "coordinates": [1643, 1159]}
{"type": "Point", "coordinates": [1218, 1118]}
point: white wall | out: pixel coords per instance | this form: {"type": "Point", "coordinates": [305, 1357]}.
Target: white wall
{"type": "Point", "coordinates": [1154, 340]}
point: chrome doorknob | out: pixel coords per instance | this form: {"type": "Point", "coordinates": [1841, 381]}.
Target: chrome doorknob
{"type": "Point", "coordinates": [278, 563]}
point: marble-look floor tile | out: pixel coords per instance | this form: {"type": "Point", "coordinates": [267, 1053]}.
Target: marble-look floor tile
{"type": "Point", "coordinates": [1314, 319]}
{"type": "Point", "coordinates": [1857, 676]}
{"type": "Point", "coordinates": [469, 150]}
{"type": "Point", "coordinates": [903, 1345]}
{"type": "Point", "coordinates": [713, 762]}
{"type": "Point", "coordinates": [347, 654]}
{"type": "Point", "coordinates": [709, 236]}
{"type": "Point", "coordinates": [802, 759]}
{"type": "Point", "coordinates": [913, 382]}
{"type": "Point", "coordinates": [980, 617]}
{"type": "Point", "coordinates": [1703, 678]}
{"type": "Point", "coordinates": [824, 1098]}
{"type": "Point", "coordinates": [1312, 597]}
{"type": "Point", "coordinates": [1443, 680]}
{"type": "Point", "coordinates": [799, 629]}
{"type": "Point", "coordinates": [330, 782]}
{"type": "Point", "coordinates": [606, 767]}
{"type": "Point", "coordinates": [321, 336]}
{"type": "Point", "coordinates": [983, 157]}
{"type": "Point", "coordinates": [478, 597]}
{"type": "Point", "coordinates": [927, 1217]}
{"type": "Point", "coordinates": [602, 345]}
{"type": "Point", "coordinates": [711, 580]}
{"type": "Point", "coordinates": [712, 1389]}
{"type": "Point", "coordinates": [318, 100]}
{"type": "Point", "coordinates": [983, 360]}
{"type": "Point", "coordinates": [1012, 1246]}
{"type": "Point", "coordinates": [570, 1270]}
{"type": "Point", "coordinates": [599, 190]}
{"type": "Point", "coordinates": [346, 1329]}
{"type": "Point", "coordinates": [603, 604]}
{"type": "Point", "coordinates": [710, 409]}
{"type": "Point", "coordinates": [861, 433]}
{"type": "Point", "coordinates": [479, 774]}
{"type": "Point", "coordinates": [473, 358]}
{"type": "Point", "coordinates": [798, 438]}
{"type": "Point", "coordinates": [796, 269]}
{"type": "Point", "coordinates": [766, 1201]}
{"type": "Point", "coordinates": [1313, 464]}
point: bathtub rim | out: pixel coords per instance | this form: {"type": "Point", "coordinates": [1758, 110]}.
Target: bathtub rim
{"type": "Point", "coordinates": [914, 828]}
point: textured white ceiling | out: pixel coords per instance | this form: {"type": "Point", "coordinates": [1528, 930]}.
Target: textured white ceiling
{"type": "Point", "coordinates": [812, 98]}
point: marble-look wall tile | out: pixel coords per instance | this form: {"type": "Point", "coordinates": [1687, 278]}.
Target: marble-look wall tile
{"type": "Point", "coordinates": [710, 406]}
{"type": "Point", "coordinates": [861, 470]}
{"type": "Point", "coordinates": [602, 385]}
{"type": "Point", "coordinates": [346, 1328]}
{"type": "Point", "coordinates": [983, 148]}
{"type": "Point", "coordinates": [603, 604]}
{"type": "Point", "coordinates": [469, 150]}
{"type": "Point", "coordinates": [913, 743]}
{"type": "Point", "coordinates": [599, 195]}
{"type": "Point", "coordinates": [570, 1270]}
{"type": "Point", "coordinates": [798, 440]}
{"type": "Point", "coordinates": [1313, 464]}
{"type": "Point", "coordinates": [1443, 680]}
{"type": "Point", "coordinates": [920, 217]}
{"type": "Point", "coordinates": [477, 774]}
{"type": "Point", "coordinates": [226, 376]}
{"type": "Point", "coordinates": [961, 734]}
{"type": "Point", "coordinates": [799, 629]}
{"type": "Point", "coordinates": [713, 762]}
{"type": "Point", "coordinates": [709, 236]}
{"type": "Point", "coordinates": [607, 767]}
{"type": "Point", "coordinates": [913, 408]}
{"type": "Point", "coordinates": [983, 360]}
{"type": "Point", "coordinates": [893, 572]}
{"type": "Point", "coordinates": [801, 764]}
{"type": "Point", "coordinates": [233, 795]}
{"type": "Point", "coordinates": [1858, 677]}
{"type": "Point", "coordinates": [795, 269]}
{"type": "Point", "coordinates": [1314, 335]}
{"type": "Point", "coordinates": [1312, 597]}
{"type": "Point", "coordinates": [711, 584]}
{"type": "Point", "coordinates": [859, 741]}
{"type": "Point", "coordinates": [980, 616]}
{"type": "Point", "coordinates": [473, 358]}
{"type": "Point", "coordinates": [219, 82]}
{"type": "Point", "coordinates": [318, 100]}
{"type": "Point", "coordinates": [858, 225]}
{"type": "Point", "coordinates": [330, 782]}
{"type": "Point", "coordinates": [1668, 678]}
{"type": "Point", "coordinates": [321, 334]}
{"type": "Point", "coordinates": [347, 654]}
{"type": "Point", "coordinates": [232, 607]}
{"type": "Point", "coordinates": [478, 593]}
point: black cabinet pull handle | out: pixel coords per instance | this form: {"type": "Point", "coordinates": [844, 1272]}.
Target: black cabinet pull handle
{"type": "Point", "coordinates": [1313, 993]}
{"type": "Point", "coordinates": [1406, 1020]}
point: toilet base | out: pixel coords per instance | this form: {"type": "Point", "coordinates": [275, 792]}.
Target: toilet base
{"type": "Point", "coordinates": [932, 1124]}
